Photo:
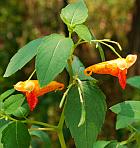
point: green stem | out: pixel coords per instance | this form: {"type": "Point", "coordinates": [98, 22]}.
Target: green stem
{"type": "Point", "coordinates": [32, 74]}
{"type": "Point", "coordinates": [65, 94]}
{"type": "Point", "coordinates": [61, 122]}
{"type": "Point", "coordinates": [30, 121]}
{"type": "Point", "coordinates": [130, 139]}
{"type": "Point", "coordinates": [70, 61]}
{"type": "Point", "coordinates": [111, 49]}
{"type": "Point", "coordinates": [78, 43]}
{"type": "Point", "coordinates": [6, 117]}
{"type": "Point", "coordinates": [119, 46]}
{"type": "Point", "coordinates": [61, 139]}
{"type": "Point", "coordinates": [70, 70]}
{"type": "Point", "coordinates": [83, 42]}
{"type": "Point", "coordinates": [40, 123]}
{"type": "Point", "coordinates": [108, 40]}
{"type": "Point", "coordinates": [60, 130]}
{"type": "Point", "coordinates": [10, 118]}
{"type": "Point", "coordinates": [62, 118]}
{"type": "Point", "coordinates": [42, 129]}
{"type": "Point", "coordinates": [70, 34]}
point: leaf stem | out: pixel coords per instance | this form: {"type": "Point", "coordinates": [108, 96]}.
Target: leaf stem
{"type": "Point", "coordinates": [78, 43]}
{"type": "Point", "coordinates": [65, 94]}
{"type": "Point", "coordinates": [130, 139]}
{"type": "Point", "coordinates": [10, 118]}
{"type": "Point", "coordinates": [111, 49]}
{"type": "Point", "coordinates": [32, 74]}
{"type": "Point", "coordinates": [39, 123]}
{"type": "Point", "coordinates": [42, 129]}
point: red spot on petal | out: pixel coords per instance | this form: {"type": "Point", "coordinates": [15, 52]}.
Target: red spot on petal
{"type": "Point", "coordinates": [122, 78]}
{"type": "Point", "coordinates": [32, 100]}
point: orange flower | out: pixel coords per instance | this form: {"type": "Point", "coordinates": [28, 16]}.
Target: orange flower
{"type": "Point", "coordinates": [117, 68]}
{"type": "Point", "coordinates": [32, 90]}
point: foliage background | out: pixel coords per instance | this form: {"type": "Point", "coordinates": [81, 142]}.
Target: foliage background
{"type": "Point", "coordinates": [22, 21]}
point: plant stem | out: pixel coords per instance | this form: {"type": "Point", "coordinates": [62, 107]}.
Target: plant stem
{"type": "Point", "coordinates": [42, 129]}
{"type": "Point", "coordinates": [69, 34]}
{"type": "Point", "coordinates": [49, 127]}
{"type": "Point", "coordinates": [61, 139]}
{"type": "Point", "coordinates": [70, 70]}
{"type": "Point", "coordinates": [60, 130]}
{"type": "Point", "coordinates": [62, 118]}
{"type": "Point", "coordinates": [130, 139]}
{"type": "Point", "coordinates": [65, 94]}
{"type": "Point", "coordinates": [111, 49]}
{"type": "Point", "coordinates": [40, 123]}
{"type": "Point", "coordinates": [10, 118]}
{"type": "Point", "coordinates": [31, 74]}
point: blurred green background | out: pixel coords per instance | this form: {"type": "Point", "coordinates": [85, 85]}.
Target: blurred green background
{"type": "Point", "coordinates": [24, 20]}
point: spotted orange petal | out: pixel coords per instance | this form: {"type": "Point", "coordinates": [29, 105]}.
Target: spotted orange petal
{"type": "Point", "coordinates": [32, 90]}
{"type": "Point", "coordinates": [117, 68]}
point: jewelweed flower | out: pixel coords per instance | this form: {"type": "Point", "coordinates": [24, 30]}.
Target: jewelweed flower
{"type": "Point", "coordinates": [117, 68]}
{"type": "Point", "coordinates": [32, 90]}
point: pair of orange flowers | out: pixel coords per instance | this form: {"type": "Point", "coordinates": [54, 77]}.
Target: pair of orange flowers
{"type": "Point", "coordinates": [117, 68]}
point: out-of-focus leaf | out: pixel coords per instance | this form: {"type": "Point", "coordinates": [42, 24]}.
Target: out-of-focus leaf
{"type": "Point", "coordinates": [108, 144]}
{"type": "Point", "coordinates": [134, 81]}
{"type": "Point", "coordinates": [95, 108]}
{"type": "Point", "coordinates": [127, 112]}
{"type": "Point", "coordinates": [75, 13]}
{"type": "Point", "coordinates": [83, 32]}
{"type": "Point", "coordinates": [100, 144]}
{"type": "Point", "coordinates": [43, 137]}
{"type": "Point", "coordinates": [13, 103]}
{"type": "Point", "coordinates": [22, 57]}
{"type": "Point", "coordinates": [115, 144]}
{"type": "Point", "coordinates": [138, 139]}
{"type": "Point", "coordinates": [6, 94]}
{"type": "Point", "coordinates": [16, 135]}
{"type": "Point", "coordinates": [52, 57]}
{"type": "Point", "coordinates": [22, 111]}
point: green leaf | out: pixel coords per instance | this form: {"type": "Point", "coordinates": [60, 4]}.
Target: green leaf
{"type": "Point", "coordinates": [95, 107]}
{"type": "Point", "coordinates": [43, 137]}
{"type": "Point", "coordinates": [52, 57]}
{"type": "Point", "coordinates": [83, 32]}
{"type": "Point", "coordinates": [134, 81]}
{"type": "Point", "coordinates": [22, 57]}
{"type": "Point", "coordinates": [22, 111]}
{"type": "Point", "coordinates": [1, 107]}
{"type": "Point", "coordinates": [78, 69]}
{"type": "Point", "coordinates": [13, 103]}
{"type": "Point", "coordinates": [107, 144]}
{"type": "Point", "coordinates": [74, 14]}
{"type": "Point", "coordinates": [3, 125]}
{"type": "Point", "coordinates": [16, 135]}
{"type": "Point", "coordinates": [114, 144]}
{"type": "Point", "coordinates": [100, 144]}
{"type": "Point", "coordinates": [127, 112]}
{"type": "Point", "coordinates": [6, 94]}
